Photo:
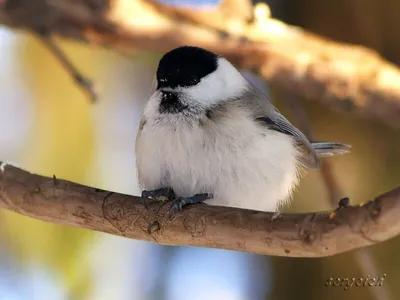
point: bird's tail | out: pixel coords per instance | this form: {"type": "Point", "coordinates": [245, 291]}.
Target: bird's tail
{"type": "Point", "coordinates": [325, 149]}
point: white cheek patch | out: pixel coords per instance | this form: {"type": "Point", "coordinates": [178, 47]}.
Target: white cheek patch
{"type": "Point", "coordinates": [224, 83]}
{"type": "Point", "coordinates": [152, 105]}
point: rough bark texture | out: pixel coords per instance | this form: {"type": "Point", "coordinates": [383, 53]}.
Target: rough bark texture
{"type": "Point", "coordinates": [295, 235]}
{"type": "Point", "coordinates": [350, 78]}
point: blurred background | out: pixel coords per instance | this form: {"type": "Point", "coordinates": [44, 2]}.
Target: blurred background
{"type": "Point", "coordinates": [48, 127]}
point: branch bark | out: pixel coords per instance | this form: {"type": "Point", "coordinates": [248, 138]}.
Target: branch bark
{"type": "Point", "coordinates": [293, 235]}
{"type": "Point", "coordinates": [346, 77]}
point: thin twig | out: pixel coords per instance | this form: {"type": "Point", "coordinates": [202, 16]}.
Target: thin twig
{"type": "Point", "coordinates": [83, 82]}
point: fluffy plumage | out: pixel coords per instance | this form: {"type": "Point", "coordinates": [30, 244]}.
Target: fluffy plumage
{"type": "Point", "coordinates": [205, 129]}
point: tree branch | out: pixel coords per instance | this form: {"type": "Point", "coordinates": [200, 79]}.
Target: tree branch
{"type": "Point", "coordinates": [295, 235]}
{"type": "Point", "coordinates": [347, 77]}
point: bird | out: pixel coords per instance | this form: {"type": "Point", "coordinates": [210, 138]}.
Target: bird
{"type": "Point", "coordinates": [208, 135]}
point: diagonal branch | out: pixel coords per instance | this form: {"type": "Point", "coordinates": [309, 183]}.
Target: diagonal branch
{"type": "Point", "coordinates": [347, 77]}
{"type": "Point", "coordinates": [295, 235]}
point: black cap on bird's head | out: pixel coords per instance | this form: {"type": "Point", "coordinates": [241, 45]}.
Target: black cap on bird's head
{"type": "Point", "coordinates": [191, 77]}
{"type": "Point", "coordinates": [185, 67]}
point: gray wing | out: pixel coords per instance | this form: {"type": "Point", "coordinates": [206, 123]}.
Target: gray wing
{"type": "Point", "coordinates": [279, 123]}
{"type": "Point", "coordinates": [268, 115]}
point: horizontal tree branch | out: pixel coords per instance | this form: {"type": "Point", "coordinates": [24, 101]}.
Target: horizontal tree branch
{"type": "Point", "coordinates": [295, 235]}
{"type": "Point", "coordinates": [347, 77]}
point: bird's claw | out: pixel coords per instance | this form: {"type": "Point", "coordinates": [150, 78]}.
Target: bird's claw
{"type": "Point", "coordinates": [167, 194]}
{"type": "Point", "coordinates": [159, 194]}
{"type": "Point", "coordinates": [179, 203]}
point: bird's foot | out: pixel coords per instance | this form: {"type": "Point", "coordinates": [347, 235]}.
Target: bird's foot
{"type": "Point", "coordinates": [179, 203]}
{"type": "Point", "coordinates": [158, 195]}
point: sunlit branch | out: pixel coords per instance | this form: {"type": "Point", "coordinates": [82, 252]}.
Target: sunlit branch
{"type": "Point", "coordinates": [351, 78]}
